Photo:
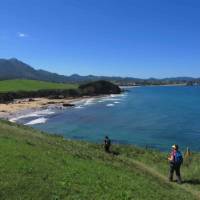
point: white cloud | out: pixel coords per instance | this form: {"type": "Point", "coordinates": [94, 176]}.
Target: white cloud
{"type": "Point", "coordinates": [22, 35]}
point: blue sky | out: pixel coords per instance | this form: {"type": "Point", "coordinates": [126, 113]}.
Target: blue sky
{"type": "Point", "coordinates": [139, 38]}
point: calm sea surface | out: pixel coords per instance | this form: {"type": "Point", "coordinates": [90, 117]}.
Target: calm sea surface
{"type": "Point", "coordinates": [154, 116]}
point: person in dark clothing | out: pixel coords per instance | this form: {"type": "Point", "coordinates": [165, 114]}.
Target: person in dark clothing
{"type": "Point", "coordinates": [175, 161]}
{"type": "Point", "coordinates": [107, 144]}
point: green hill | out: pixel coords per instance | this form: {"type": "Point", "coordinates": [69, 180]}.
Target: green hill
{"type": "Point", "coordinates": [32, 85]}
{"type": "Point", "coordinates": [35, 165]}
{"type": "Point", "coordinates": [16, 69]}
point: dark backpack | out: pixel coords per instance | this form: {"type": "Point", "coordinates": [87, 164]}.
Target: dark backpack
{"type": "Point", "coordinates": [107, 142]}
{"type": "Point", "coordinates": [178, 158]}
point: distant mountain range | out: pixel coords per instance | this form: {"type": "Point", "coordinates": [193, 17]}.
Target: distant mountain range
{"type": "Point", "coordinates": [16, 69]}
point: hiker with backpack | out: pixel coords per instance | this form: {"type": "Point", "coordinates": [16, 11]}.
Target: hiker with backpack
{"type": "Point", "coordinates": [107, 144]}
{"type": "Point", "coordinates": [175, 161]}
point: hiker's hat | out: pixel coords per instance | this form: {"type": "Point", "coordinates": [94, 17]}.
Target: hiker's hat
{"type": "Point", "coordinates": [175, 146]}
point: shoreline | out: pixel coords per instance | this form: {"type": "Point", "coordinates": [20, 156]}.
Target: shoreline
{"type": "Point", "coordinates": [23, 106]}
{"type": "Point", "coordinates": [167, 85]}
{"type": "Point", "coordinates": [135, 86]}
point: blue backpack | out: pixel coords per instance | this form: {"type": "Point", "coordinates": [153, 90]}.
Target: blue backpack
{"type": "Point", "coordinates": [178, 158]}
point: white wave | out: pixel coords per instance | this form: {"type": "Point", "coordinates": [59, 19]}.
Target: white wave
{"type": "Point", "coordinates": [79, 107]}
{"type": "Point", "coordinates": [110, 105]}
{"type": "Point", "coordinates": [34, 114]}
{"type": "Point", "coordinates": [112, 99]}
{"type": "Point", "coordinates": [79, 102]}
{"type": "Point", "coordinates": [116, 102]}
{"type": "Point", "coordinates": [40, 120]}
{"type": "Point", "coordinates": [118, 95]}
{"type": "Point", "coordinates": [84, 102]}
{"type": "Point", "coordinates": [45, 112]}
{"type": "Point", "coordinates": [89, 101]}
{"type": "Point", "coordinates": [104, 99]}
{"type": "Point", "coordinates": [14, 119]}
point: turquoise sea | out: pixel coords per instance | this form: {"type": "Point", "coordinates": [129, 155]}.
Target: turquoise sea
{"type": "Point", "coordinates": [155, 116]}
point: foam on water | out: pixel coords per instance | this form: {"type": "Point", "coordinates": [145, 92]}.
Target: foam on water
{"type": "Point", "coordinates": [113, 98]}
{"type": "Point", "coordinates": [89, 101]}
{"type": "Point", "coordinates": [14, 119]}
{"type": "Point", "coordinates": [116, 95]}
{"type": "Point", "coordinates": [78, 107]}
{"type": "Point", "coordinates": [79, 102]}
{"type": "Point", "coordinates": [110, 105]}
{"type": "Point", "coordinates": [84, 102]}
{"type": "Point", "coordinates": [40, 120]}
{"type": "Point", "coordinates": [110, 98]}
{"type": "Point", "coordinates": [33, 114]}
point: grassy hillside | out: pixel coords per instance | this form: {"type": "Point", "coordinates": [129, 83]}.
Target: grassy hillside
{"type": "Point", "coordinates": [32, 85]}
{"type": "Point", "coordinates": [36, 165]}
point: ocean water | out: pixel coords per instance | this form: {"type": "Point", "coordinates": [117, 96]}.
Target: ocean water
{"type": "Point", "coordinates": [156, 117]}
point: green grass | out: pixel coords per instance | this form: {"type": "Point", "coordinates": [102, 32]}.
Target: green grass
{"type": "Point", "coordinates": [32, 85]}
{"type": "Point", "coordinates": [35, 165]}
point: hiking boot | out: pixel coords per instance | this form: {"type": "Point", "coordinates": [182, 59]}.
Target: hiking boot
{"type": "Point", "coordinates": [179, 181]}
{"type": "Point", "coordinates": [170, 180]}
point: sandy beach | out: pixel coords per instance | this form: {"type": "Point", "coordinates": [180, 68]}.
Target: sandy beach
{"type": "Point", "coordinates": [20, 105]}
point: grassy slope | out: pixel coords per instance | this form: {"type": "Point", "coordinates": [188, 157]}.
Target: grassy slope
{"type": "Point", "coordinates": [35, 165]}
{"type": "Point", "coordinates": [32, 85]}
